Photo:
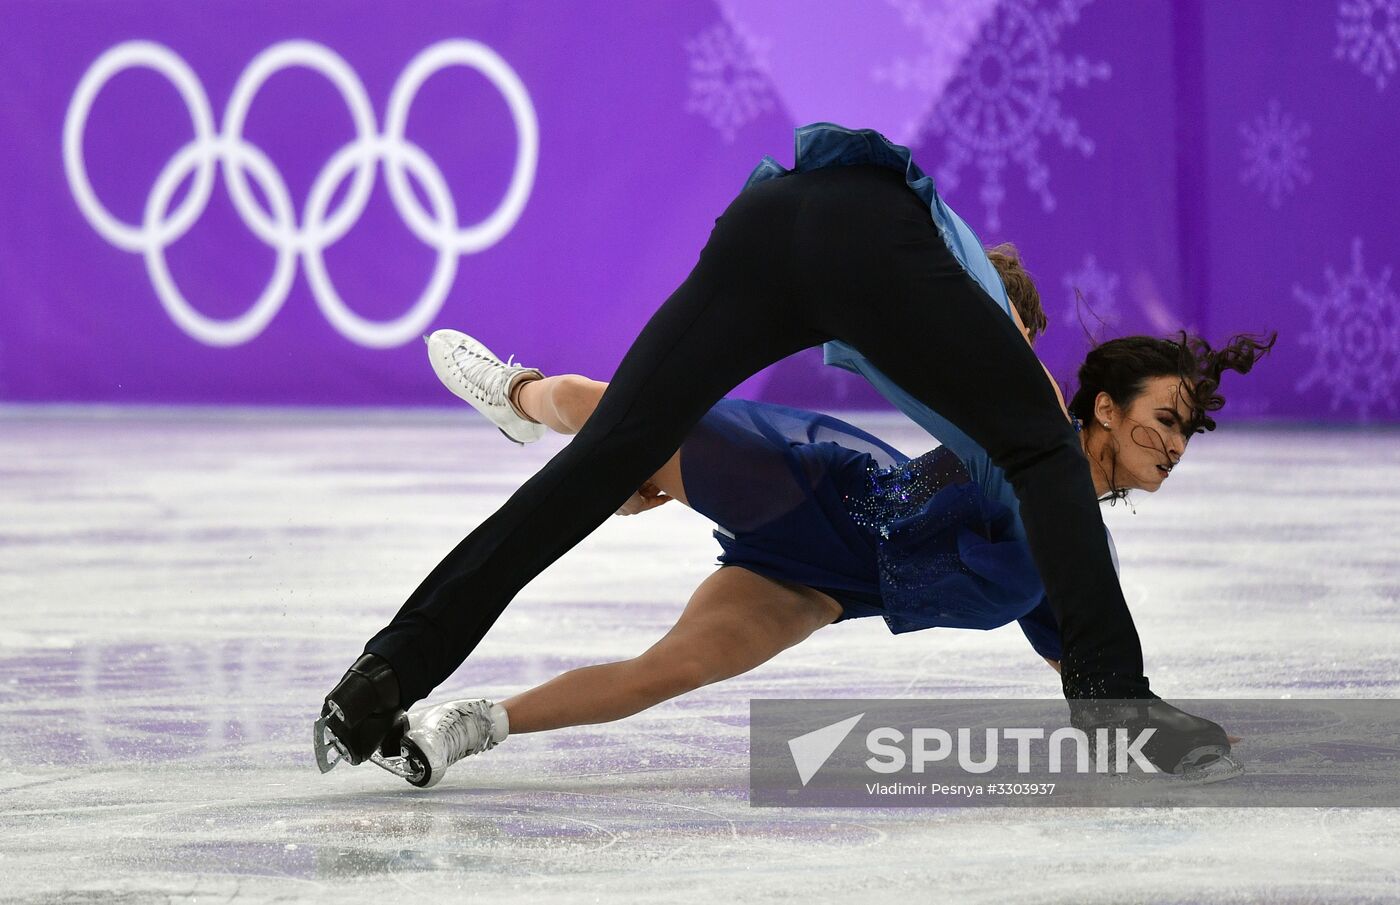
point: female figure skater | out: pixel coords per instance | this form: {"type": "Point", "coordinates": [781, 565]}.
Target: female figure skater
{"type": "Point", "coordinates": [822, 522]}
{"type": "Point", "coordinates": [853, 247]}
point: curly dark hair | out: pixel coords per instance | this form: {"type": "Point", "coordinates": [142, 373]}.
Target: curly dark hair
{"type": "Point", "coordinates": [1121, 368]}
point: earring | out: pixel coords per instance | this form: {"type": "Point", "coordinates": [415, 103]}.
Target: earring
{"type": "Point", "coordinates": [1105, 424]}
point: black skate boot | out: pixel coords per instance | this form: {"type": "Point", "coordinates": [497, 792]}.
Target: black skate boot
{"type": "Point", "coordinates": [361, 719]}
{"type": "Point", "coordinates": [1184, 746]}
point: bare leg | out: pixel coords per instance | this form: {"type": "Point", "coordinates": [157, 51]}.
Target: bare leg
{"type": "Point", "coordinates": [564, 402]}
{"type": "Point", "coordinates": [735, 621]}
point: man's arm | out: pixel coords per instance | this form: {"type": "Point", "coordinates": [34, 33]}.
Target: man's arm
{"type": "Point", "coordinates": [1042, 629]}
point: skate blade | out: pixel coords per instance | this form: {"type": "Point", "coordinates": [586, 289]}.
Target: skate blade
{"type": "Point", "coordinates": [1222, 768]}
{"type": "Point", "coordinates": [323, 743]}
{"type": "Point", "coordinates": [403, 766]}
{"type": "Point", "coordinates": [1218, 770]}
{"type": "Point", "coordinates": [328, 754]}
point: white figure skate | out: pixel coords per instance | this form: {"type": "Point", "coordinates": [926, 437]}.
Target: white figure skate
{"type": "Point", "coordinates": [476, 376]}
{"type": "Point", "coordinates": [440, 735]}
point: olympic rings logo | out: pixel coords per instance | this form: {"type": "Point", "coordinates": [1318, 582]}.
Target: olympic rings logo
{"type": "Point", "coordinates": [317, 227]}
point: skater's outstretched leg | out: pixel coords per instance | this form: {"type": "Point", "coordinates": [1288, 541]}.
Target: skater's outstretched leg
{"type": "Point", "coordinates": [735, 621]}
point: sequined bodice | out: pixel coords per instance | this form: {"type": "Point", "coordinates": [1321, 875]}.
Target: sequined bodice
{"type": "Point", "coordinates": [901, 491]}
{"type": "Point", "coordinates": [944, 551]}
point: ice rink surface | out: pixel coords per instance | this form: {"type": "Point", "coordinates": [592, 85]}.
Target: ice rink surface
{"type": "Point", "coordinates": [178, 590]}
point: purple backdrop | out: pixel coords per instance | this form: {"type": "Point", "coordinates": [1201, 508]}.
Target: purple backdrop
{"type": "Point", "coordinates": [1219, 166]}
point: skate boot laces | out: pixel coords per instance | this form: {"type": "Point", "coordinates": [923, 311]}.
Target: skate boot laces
{"type": "Point", "coordinates": [484, 375]}
{"type": "Point", "coordinates": [465, 729]}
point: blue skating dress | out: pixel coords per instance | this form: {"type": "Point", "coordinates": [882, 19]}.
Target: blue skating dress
{"type": "Point", "coordinates": [806, 498]}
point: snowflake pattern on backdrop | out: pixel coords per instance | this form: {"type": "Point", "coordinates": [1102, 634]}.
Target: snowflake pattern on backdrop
{"type": "Point", "coordinates": [1099, 288]}
{"type": "Point", "coordinates": [1356, 332]}
{"type": "Point", "coordinates": [729, 82]}
{"type": "Point", "coordinates": [1368, 35]}
{"type": "Point", "coordinates": [1006, 95]}
{"type": "Point", "coordinates": [1275, 156]}
{"type": "Point", "coordinates": [945, 28]}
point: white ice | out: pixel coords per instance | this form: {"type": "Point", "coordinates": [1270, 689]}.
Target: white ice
{"type": "Point", "coordinates": [178, 589]}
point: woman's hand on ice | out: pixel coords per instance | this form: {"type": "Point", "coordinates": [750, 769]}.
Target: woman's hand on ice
{"type": "Point", "coordinates": [648, 496]}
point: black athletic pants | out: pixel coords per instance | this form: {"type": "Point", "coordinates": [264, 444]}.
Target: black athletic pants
{"type": "Point", "coordinates": [845, 253]}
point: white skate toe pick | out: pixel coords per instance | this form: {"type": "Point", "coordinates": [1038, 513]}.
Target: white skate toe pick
{"type": "Point", "coordinates": [479, 378]}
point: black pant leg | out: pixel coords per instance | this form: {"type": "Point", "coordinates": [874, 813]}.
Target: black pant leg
{"type": "Point", "coordinates": [731, 317]}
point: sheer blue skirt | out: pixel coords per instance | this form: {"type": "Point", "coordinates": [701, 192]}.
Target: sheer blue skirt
{"type": "Point", "coordinates": [775, 482]}
{"type": "Point", "coordinates": [806, 498]}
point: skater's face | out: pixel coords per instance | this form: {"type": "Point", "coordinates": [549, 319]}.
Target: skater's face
{"type": "Point", "coordinates": [1150, 437]}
